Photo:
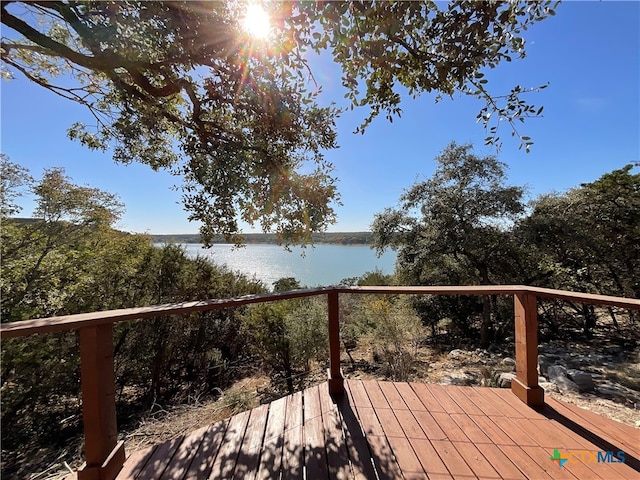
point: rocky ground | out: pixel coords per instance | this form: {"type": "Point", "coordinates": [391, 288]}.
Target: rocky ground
{"type": "Point", "coordinates": [607, 382]}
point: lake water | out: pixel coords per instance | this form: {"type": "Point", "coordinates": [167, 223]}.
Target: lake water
{"type": "Point", "coordinates": [321, 265]}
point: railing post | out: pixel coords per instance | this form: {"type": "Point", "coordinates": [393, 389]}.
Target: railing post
{"type": "Point", "coordinates": [104, 455]}
{"type": "Point", "coordinates": [525, 385]}
{"type": "Point", "coordinates": [336, 381]}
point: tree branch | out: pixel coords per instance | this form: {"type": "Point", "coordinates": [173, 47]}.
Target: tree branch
{"type": "Point", "coordinates": [56, 48]}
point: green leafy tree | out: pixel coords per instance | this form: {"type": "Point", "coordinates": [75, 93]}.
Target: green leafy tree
{"type": "Point", "coordinates": [170, 358]}
{"type": "Point", "coordinates": [588, 239]}
{"type": "Point", "coordinates": [371, 278]}
{"type": "Point", "coordinates": [265, 324]}
{"type": "Point", "coordinates": [47, 267]}
{"type": "Point", "coordinates": [286, 283]}
{"type": "Point", "coordinates": [455, 227]}
{"type": "Point", "coordinates": [15, 181]}
{"type": "Point", "coordinates": [385, 48]}
{"type": "Point", "coordinates": [45, 261]}
{"type": "Point", "coordinates": [243, 114]}
{"type": "Point", "coordinates": [287, 334]}
{"type": "Point", "coordinates": [70, 260]}
{"type": "Point", "coordinates": [593, 232]}
{"type": "Point", "coordinates": [306, 325]}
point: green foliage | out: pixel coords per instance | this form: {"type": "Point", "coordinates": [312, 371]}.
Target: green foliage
{"type": "Point", "coordinates": [265, 323]}
{"type": "Point", "coordinates": [390, 326]}
{"type": "Point", "coordinates": [588, 239]}
{"type": "Point", "coordinates": [285, 284]}
{"type": "Point", "coordinates": [40, 390]}
{"type": "Point", "coordinates": [464, 226]}
{"type": "Point", "coordinates": [373, 278]}
{"type": "Point", "coordinates": [14, 180]}
{"type": "Point", "coordinates": [387, 324]}
{"type": "Point", "coordinates": [455, 228]}
{"type": "Point", "coordinates": [386, 48]}
{"type": "Point", "coordinates": [69, 260]}
{"type": "Point", "coordinates": [162, 75]}
{"type": "Point", "coordinates": [48, 264]}
{"type": "Point", "coordinates": [306, 325]}
{"type": "Point", "coordinates": [147, 351]}
{"type": "Point", "coordinates": [288, 334]}
{"type": "Point", "coordinates": [180, 86]}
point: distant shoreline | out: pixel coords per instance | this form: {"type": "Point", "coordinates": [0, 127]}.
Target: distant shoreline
{"type": "Point", "coordinates": [335, 238]}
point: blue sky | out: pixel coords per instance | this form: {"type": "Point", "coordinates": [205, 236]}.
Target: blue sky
{"type": "Point", "coordinates": [589, 53]}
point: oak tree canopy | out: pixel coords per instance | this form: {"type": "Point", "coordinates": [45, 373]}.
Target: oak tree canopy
{"type": "Point", "coordinates": [182, 86]}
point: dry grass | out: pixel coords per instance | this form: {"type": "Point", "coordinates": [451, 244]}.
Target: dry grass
{"type": "Point", "coordinates": [162, 425]}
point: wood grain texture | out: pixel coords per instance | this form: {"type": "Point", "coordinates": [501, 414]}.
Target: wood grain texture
{"type": "Point", "coordinates": [313, 435]}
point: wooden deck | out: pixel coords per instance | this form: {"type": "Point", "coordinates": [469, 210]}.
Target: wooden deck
{"type": "Point", "coordinates": [390, 430]}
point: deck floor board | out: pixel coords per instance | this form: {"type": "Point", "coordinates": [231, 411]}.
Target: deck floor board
{"type": "Point", "coordinates": [392, 395]}
{"type": "Point", "coordinates": [426, 397]}
{"type": "Point", "coordinates": [463, 400]}
{"type": "Point", "coordinates": [181, 460]}
{"type": "Point", "coordinates": [439, 392]}
{"type": "Point", "coordinates": [227, 457]}
{"type": "Point", "coordinates": [431, 462]}
{"type": "Point", "coordinates": [625, 436]}
{"type": "Point", "coordinates": [158, 462]}
{"type": "Point", "coordinates": [470, 429]}
{"type": "Point", "coordinates": [249, 456]}
{"type": "Point", "coordinates": [135, 463]}
{"type": "Point", "coordinates": [271, 455]}
{"type": "Point", "coordinates": [390, 431]}
{"type": "Point", "coordinates": [374, 392]}
{"type": "Point", "coordinates": [207, 452]}
{"type": "Point", "coordinates": [357, 446]}
{"type": "Point", "coordinates": [479, 464]}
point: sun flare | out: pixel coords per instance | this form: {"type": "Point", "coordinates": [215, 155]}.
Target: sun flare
{"type": "Point", "coordinates": [256, 22]}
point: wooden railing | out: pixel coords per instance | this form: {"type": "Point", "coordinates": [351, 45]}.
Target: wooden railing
{"type": "Point", "coordinates": [105, 455]}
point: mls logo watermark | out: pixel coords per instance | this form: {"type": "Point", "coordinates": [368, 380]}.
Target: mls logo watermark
{"type": "Point", "coordinates": [586, 456]}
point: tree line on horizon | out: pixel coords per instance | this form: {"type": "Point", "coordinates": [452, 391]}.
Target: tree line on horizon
{"type": "Point", "coordinates": [331, 238]}
{"type": "Point", "coordinates": [335, 238]}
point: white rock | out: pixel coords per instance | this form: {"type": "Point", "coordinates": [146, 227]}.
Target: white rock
{"type": "Point", "coordinates": [556, 371]}
{"type": "Point", "coordinates": [508, 361]}
{"type": "Point", "coordinates": [582, 379]}
{"type": "Point", "coordinates": [504, 380]}
{"type": "Point", "coordinates": [457, 378]}
{"type": "Point", "coordinates": [565, 385]}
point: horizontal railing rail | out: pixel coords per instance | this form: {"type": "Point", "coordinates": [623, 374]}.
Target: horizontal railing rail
{"type": "Point", "coordinates": [74, 322]}
{"type": "Point", "coordinates": [81, 320]}
{"type": "Point", "coordinates": [105, 455]}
